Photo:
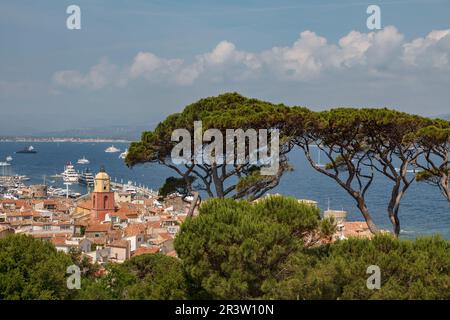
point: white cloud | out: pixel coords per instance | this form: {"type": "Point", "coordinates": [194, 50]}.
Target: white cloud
{"type": "Point", "coordinates": [98, 77]}
{"type": "Point", "coordinates": [151, 67]}
{"type": "Point", "coordinates": [384, 53]}
{"type": "Point", "coordinates": [431, 51]}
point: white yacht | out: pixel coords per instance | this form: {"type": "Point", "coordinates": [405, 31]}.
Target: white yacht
{"type": "Point", "coordinates": [112, 149]}
{"type": "Point", "coordinates": [124, 154]}
{"type": "Point", "coordinates": [86, 177]}
{"type": "Point", "coordinates": [69, 174]}
{"type": "Point", "coordinates": [129, 188]}
{"type": "Point", "coordinates": [9, 159]}
{"type": "Point", "coordinates": [83, 161]}
{"type": "Point", "coordinates": [4, 164]}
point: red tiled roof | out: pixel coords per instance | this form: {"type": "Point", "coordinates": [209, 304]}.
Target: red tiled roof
{"type": "Point", "coordinates": [154, 224]}
{"type": "Point", "coordinates": [165, 236]}
{"type": "Point", "coordinates": [99, 227]}
{"type": "Point", "coordinates": [145, 250]}
{"type": "Point", "coordinates": [135, 229]}
{"type": "Point", "coordinates": [58, 241]}
{"type": "Point", "coordinates": [356, 229]}
{"type": "Point", "coordinates": [87, 204]}
{"type": "Point", "coordinates": [119, 244]}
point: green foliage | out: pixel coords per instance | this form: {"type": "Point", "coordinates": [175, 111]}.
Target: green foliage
{"type": "Point", "coordinates": [174, 184]}
{"type": "Point", "coordinates": [148, 276]}
{"type": "Point", "coordinates": [32, 269]}
{"type": "Point", "coordinates": [240, 250]}
{"type": "Point", "coordinates": [417, 269]}
{"type": "Point", "coordinates": [234, 249]}
{"type": "Point", "coordinates": [226, 111]}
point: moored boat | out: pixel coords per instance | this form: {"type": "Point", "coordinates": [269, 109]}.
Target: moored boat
{"type": "Point", "coordinates": [69, 174]}
{"type": "Point", "coordinates": [86, 177]}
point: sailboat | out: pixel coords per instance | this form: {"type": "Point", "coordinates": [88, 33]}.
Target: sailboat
{"type": "Point", "coordinates": [318, 160]}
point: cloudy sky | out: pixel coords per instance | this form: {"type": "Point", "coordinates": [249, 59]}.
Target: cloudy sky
{"type": "Point", "coordinates": [135, 62]}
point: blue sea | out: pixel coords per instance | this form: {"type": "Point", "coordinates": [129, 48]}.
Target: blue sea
{"type": "Point", "coordinates": [424, 211]}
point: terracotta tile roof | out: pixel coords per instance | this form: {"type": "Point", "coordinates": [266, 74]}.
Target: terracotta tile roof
{"type": "Point", "coordinates": [86, 204]}
{"type": "Point", "coordinates": [59, 241]}
{"type": "Point", "coordinates": [145, 250]}
{"type": "Point", "coordinates": [51, 234]}
{"type": "Point", "coordinates": [26, 213]}
{"type": "Point", "coordinates": [135, 229]}
{"type": "Point", "coordinates": [154, 224]}
{"type": "Point", "coordinates": [99, 227]}
{"type": "Point", "coordinates": [128, 209]}
{"type": "Point", "coordinates": [165, 236]}
{"type": "Point", "coordinates": [120, 214]}
{"type": "Point", "coordinates": [17, 203]}
{"type": "Point", "coordinates": [356, 229]}
{"type": "Point", "coordinates": [119, 244]}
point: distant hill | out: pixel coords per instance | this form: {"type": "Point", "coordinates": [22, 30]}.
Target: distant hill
{"type": "Point", "coordinates": [112, 132]}
{"type": "Point", "coordinates": [443, 116]}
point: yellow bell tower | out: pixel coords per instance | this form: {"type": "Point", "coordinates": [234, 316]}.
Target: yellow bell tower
{"type": "Point", "coordinates": [102, 181]}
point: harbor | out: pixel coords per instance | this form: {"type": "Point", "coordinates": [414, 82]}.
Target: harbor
{"type": "Point", "coordinates": [46, 166]}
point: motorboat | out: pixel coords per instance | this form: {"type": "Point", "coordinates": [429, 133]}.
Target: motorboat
{"type": "Point", "coordinates": [69, 174]}
{"type": "Point", "coordinates": [129, 188]}
{"type": "Point", "coordinates": [124, 154]}
{"type": "Point", "coordinates": [29, 149]}
{"type": "Point", "coordinates": [112, 149]}
{"type": "Point", "coordinates": [9, 159]}
{"type": "Point", "coordinates": [86, 177]}
{"type": "Point", "coordinates": [83, 161]}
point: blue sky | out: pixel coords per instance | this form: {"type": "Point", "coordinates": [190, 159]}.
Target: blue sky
{"type": "Point", "coordinates": [135, 62]}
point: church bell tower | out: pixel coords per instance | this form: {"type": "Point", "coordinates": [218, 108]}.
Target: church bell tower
{"type": "Point", "coordinates": [102, 197]}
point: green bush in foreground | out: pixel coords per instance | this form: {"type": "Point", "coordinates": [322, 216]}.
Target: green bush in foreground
{"type": "Point", "coordinates": [418, 269]}
{"type": "Point", "coordinates": [32, 269]}
{"type": "Point", "coordinates": [149, 277]}
{"type": "Point", "coordinates": [235, 249]}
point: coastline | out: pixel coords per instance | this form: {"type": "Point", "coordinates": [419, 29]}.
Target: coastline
{"type": "Point", "coordinates": [51, 139]}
